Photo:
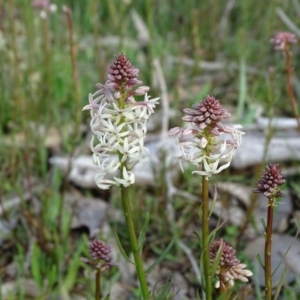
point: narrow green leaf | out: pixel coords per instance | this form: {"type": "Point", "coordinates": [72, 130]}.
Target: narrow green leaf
{"type": "Point", "coordinates": [284, 256]}
{"type": "Point", "coordinates": [263, 222]}
{"type": "Point", "coordinates": [121, 247]}
{"type": "Point", "coordinates": [163, 290]}
{"type": "Point", "coordinates": [259, 260]}
{"type": "Point", "coordinates": [282, 278]}
{"type": "Point", "coordinates": [217, 259]}
{"type": "Point", "coordinates": [142, 234]}
{"type": "Point", "coordinates": [199, 239]}
{"type": "Point", "coordinates": [258, 291]}
{"type": "Point", "coordinates": [200, 211]}
{"type": "Point", "coordinates": [52, 276]}
{"type": "Point", "coordinates": [35, 266]}
{"type": "Point", "coordinates": [213, 233]}
{"type": "Point", "coordinates": [162, 256]}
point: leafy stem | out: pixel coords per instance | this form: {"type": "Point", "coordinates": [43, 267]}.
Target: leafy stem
{"type": "Point", "coordinates": [133, 242]}
{"type": "Point", "coordinates": [205, 238]}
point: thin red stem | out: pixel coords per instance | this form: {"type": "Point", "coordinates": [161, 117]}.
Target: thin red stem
{"type": "Point", "coordinates": [268, 249]}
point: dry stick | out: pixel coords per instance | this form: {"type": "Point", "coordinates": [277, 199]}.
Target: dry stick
{"type": "Point", "coordinates": [223, 27]}
{"type": "Point", "coordinates": [171, 190]}
{"type": "Point", "coordinates": [14, 71]}
{"type": "Point", "coordinates": [196, 40]}
{"type": "Point", "coordinates": [47, 57]}
{"type": "Point", "coordinates": [164, 98]}
{"type": "Point", "coordinates": [205, 238]}
{"type": "Point", "coordinates": [289, 85]}
{"type": "Point", "coordinates": [268, 249]}
{"type": "Point", "coordinates": [76, 96]}
{"type": "Point", "coordinates": [96, 26]}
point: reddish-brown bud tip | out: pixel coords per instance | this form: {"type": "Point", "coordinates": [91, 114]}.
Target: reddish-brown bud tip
{"type": "Point", "coordinates": [100, 251]}
{"type": "Point", "coordinates": [122, 73]}
{"type": "Point", "coordinates": [270, 181]}
{"type": "Point", "coordinates": [207, 114]}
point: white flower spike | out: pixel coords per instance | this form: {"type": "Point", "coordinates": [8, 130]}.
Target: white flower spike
{"type": "Point", "coordinates": [119, 124]}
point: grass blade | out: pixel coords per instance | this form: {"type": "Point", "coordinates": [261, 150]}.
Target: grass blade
{"type": "Point", "coordinates": [162, 256]}
{"type": "Point", "coordinates": [142, 234]}
{"type": "Point", "coordinates": [121, 247]}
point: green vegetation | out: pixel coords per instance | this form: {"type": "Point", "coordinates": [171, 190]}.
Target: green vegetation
{"type": "Point", "coordinates": [204, 47]}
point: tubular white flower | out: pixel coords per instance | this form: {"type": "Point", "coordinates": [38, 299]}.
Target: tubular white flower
{"type": "Point", "coordinates": [128, 178]}
{"type": "Point", "coordinates": [118, 134]}
{"type": "Point", "coordinates": [215, 154]}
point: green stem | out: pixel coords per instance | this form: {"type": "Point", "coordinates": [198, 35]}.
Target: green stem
{"type": "Point", "coordinates": [134, 244]}
{"type": "Point", "coordinates": [268, 249]}
{"type": "Point", "coordinates": [205, 238]}
{"type": "Point", "coordinates": [98, 284]}
{"type": "Point", "coordinates": [223, 292]}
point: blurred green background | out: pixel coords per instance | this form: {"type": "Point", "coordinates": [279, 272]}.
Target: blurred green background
{"type": "Point", "coordinates": [204, 47]}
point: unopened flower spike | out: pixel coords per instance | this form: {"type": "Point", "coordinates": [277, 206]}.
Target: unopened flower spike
{"type": "Point", "coordinates": [269, 183]}
{"type": "Point", "coordinates": [229, 268]}
{"type": "Point", "coordinates": [101, 255]}
{"type": "Point", "coordinates": [119, 124]}
{"type": "Point", "coordinates": [201, 143]}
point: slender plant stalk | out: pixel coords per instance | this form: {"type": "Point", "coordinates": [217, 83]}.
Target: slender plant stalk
{"type": "Point", "coordinates": [205, 238]}
{"type": "Point", "coordinates": [268, 185]}
{"type": "Point", "coordinates": [95, 8]}
{"type": "Point", "coordinates": [196, 40]}
{"type": "Point", "coordinates": [77, 117]}
{"type": "Point", "coordinates": [76, 93]}
{"type": "Point", "coordinates": [98, 284]}
{"type": "Point", "coordinates": [289, 85]}
{"type": "Point", "coordinates": [134, 244]}
{"type": "Point", "coordinates": [47, 57]}
{"type": "Point", "coordinates": [268, 248]}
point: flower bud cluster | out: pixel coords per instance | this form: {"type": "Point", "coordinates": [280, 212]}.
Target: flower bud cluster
{"type": "Point", "coordinates": [101, 255]}
{"type": "Point", "coordinates": [201, 143]}
{"type": "Point", "coordinates": [100, 251]}
{"type": "Point", "coordinates": [270, 181]}
{"type": "Point", "coordinates": [119, 124]}
{"type": "Point", "coordinates": [282, 39]}
{"type": "Point", "coordinates": [229, 268]}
